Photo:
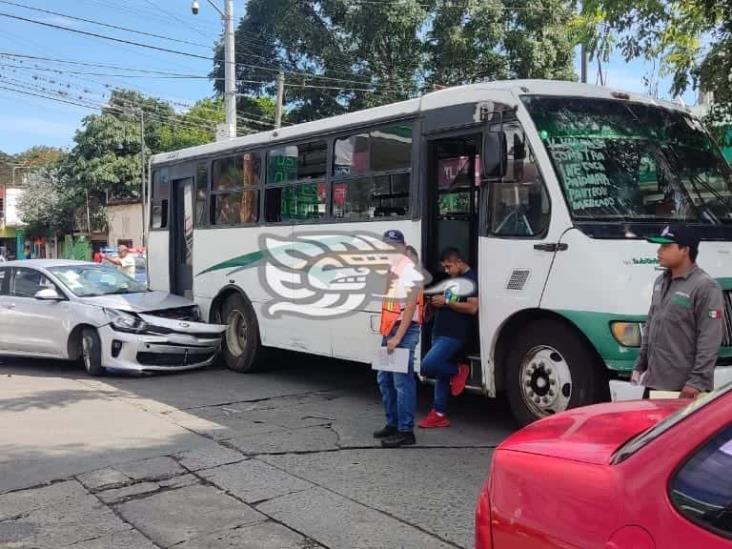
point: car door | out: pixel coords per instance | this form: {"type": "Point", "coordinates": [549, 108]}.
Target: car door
{"type": "Point", "coordinates": [33, 326]}
{"type": "Point", "coordinates": [4, 304]}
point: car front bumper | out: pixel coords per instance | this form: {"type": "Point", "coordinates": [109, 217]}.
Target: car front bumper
{"type": "Point", "coordinates": [153, 352]}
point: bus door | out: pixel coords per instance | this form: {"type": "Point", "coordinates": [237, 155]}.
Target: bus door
{"type": "Point", "coordinates": [453, 192]}
{"type": "Point", "coordinates": [181, 238]}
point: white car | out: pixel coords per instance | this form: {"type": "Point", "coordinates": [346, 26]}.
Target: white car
{"type": "Point", "coordinates": [77, 310]}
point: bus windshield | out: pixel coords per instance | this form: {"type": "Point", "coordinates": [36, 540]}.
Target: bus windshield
{"type": "Point", "coordinates": [625, 161]}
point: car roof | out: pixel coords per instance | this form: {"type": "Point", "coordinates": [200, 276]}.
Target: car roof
{"type": "Point", "coordinates": [44, 263]}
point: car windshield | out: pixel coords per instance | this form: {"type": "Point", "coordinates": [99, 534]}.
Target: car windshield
{"type": "Point", "coordinates": [624, 161]}
{"type": "Point", "coordinates": [641, 440]}
{"type": "Point", "coordinates": [96, 280]}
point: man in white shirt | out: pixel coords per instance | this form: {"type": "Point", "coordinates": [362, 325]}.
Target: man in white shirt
{"type": "Point", "coordinates": [125, 262]}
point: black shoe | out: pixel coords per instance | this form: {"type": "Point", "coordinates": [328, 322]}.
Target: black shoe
{"type": "Point", "coordinates": [399, 439]}
{"type": "Point", "coordinates": [387, 431]}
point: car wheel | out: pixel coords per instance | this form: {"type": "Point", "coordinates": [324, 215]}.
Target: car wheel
{"type": "Point", "coordinates": [551, 369]}
{"type": "Point", "coordinates": [241, 346]}
{"type": "Point", "coordinates": [91, 352]}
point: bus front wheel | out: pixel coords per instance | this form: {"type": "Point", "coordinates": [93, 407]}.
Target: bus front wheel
{"type": "Point", "coordinates": [551, 369]}
{"type": "Point", "coordinates": [241, 339]}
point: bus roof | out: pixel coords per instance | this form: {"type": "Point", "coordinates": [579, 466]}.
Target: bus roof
{"type": "Point", "coordinates": [507, 90]}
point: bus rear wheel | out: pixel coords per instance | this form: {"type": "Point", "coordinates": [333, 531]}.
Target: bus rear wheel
{"type": "Point", "coordinates": [241, 339]}
{"type": "Point", "coordinates": [551, 369]}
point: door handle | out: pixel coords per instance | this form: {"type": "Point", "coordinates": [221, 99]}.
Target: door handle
{"type": "Point", "coordinates": [551, 247]}
{"type": "Point", "coordinates": [9, 306]}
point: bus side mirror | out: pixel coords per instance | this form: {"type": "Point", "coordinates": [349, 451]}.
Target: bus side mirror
{"type": "Point", "coordinates": [494, 156]}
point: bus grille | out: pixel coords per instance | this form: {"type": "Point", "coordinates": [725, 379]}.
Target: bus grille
{"type": "Point", "coordinates": [727, 339]}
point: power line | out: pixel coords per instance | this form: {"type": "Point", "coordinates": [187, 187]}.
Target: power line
{"type": "Point", "coordinates": [196, 122]}
{"type": "Point", "coordinates": [107, 25]}
{"type": "Point", "coordinates": [178, 52]}
{"type": "Point", "coordinates": [266, 120]}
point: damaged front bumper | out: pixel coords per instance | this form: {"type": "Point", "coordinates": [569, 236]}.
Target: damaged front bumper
{"type": "Point", "coordinates": [165, 345]}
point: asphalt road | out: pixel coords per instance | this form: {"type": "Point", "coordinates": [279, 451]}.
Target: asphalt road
{"type": "Point", "coordinates": [279, 459]}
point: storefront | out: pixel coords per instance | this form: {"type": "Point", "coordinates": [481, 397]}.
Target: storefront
{"type": "Point", "coordinates": [8, 242]}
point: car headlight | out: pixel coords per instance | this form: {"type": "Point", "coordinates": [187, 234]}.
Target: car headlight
{"type": "Point", "coordinates": [125, 322]}
{"type": "Point", "coordinates": [628, 334]}
{"type": "Point", "coordinates": [196, 313]}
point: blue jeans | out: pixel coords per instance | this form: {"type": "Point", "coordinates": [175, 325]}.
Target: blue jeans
{"type": "Point", "coordinates": [440, 363]}
{"type": "Point", "coordinates": [399, 391]}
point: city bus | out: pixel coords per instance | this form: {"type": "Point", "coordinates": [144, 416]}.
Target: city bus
{"type": "Point", "coordinates": [547, 188]}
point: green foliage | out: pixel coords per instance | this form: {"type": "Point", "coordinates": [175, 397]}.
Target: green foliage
{"type": "Point", "coordinates": [392, 50]}
{"type": "Point", "coordinates": [692, 39]}
{"type": "Point", "coordinates": [45, 206]}
{"type": "Point", "coordinates": [77, 248]}
{"type": "Point", "coordinates": [195, 127]}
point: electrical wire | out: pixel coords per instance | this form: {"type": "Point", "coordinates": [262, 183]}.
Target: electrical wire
{"type": "Point", "coordinates": [107, 25]}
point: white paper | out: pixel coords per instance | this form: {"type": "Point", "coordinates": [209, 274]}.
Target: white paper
{"type": "Point", "coordinates": [397, 361]}
{"type": "Point", "coordinates": [624, 390]}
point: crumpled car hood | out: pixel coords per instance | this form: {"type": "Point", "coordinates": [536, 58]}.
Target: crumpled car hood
{"type": "Point", "coordinates": [139, 302]}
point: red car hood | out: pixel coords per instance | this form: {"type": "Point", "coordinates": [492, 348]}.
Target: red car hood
{"type": "Point", "coordinates": [591, 434]}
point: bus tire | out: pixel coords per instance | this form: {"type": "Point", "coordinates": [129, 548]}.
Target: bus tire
{"type": "Point", "coordinates": [550, 369]}
{"type": "Point", "coordinates": [241, 340]}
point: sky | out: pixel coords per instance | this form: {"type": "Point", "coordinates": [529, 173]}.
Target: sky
{"type": "Point", "coordinates": [30, 120]}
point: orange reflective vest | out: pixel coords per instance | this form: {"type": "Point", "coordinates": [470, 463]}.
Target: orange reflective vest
{"type": "Point", "coordinates": [391, 313]}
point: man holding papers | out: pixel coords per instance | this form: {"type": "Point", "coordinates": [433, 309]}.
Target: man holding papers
{"type": "Point", "coordinates": [400, 327]}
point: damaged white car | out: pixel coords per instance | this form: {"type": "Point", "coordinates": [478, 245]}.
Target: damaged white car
{"type": "Point", "coordinates": [76, 310]}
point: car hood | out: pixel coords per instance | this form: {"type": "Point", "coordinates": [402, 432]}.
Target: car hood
{"type": "Point", "coordinates": [139, 302]}
{"type": "Point", "coordinates": [591, 434]}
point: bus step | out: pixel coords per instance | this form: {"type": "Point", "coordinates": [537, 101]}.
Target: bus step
{"type": "Point", "coordinates": [475, 379]}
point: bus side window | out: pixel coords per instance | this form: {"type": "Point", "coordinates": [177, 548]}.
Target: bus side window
{"type": "Point", "coordinates": [235, 186]}
{"type": "Point", "coordinates": [371, 173]}
{"type": "Point", "coordinates": [519, 203]}
{"type": "Point", "coordinates": [201, 216]}
{"type": "Point", "coordinates": [160, 197]}
{"type": "Point", "coordinates": [295, 187]}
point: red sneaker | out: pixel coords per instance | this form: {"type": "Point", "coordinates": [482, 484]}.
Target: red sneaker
{"type": "Point", "coordinates": [457, 382]}
{"type": "Point", "coordinates": [434, 421]}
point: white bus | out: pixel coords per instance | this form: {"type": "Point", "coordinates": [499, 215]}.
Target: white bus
{"type": "Point", "coordinates": [548, 188]}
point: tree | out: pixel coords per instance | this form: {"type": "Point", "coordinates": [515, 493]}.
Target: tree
{"type": "Point", "coordinates": [106, 157]}
{"type": "Point", "coordinates": [478, 40]}
{"type": "Point", "coordinates": [46, 204]}
{"type": "Point", "coordinates": [340, 55]}
{"type": "Point", "coordinates": [194, 127]}
{"type": "Point", "coordinates": [692, 39]}
{"type": "Point", "coordinates": [40, 156]}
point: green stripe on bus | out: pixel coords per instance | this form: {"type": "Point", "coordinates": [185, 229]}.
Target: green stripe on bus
{"type": "Point", "coordinates": [241, 262]}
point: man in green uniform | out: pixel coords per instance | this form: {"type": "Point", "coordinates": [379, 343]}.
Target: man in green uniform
{"type": "Point", "coordinates": [685, 322]}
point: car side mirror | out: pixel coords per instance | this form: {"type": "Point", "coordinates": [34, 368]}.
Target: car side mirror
{"type": "Point", "coordinates": [494, 156]}
{"type": "Point", "coordinates": [48, 294]}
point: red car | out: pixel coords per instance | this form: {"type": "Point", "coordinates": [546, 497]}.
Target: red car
{"type": "Point", "coordinates": [624, 475]}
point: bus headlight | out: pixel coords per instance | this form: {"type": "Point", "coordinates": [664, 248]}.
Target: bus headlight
{"type": "Point", "coordinates": [628, 334]}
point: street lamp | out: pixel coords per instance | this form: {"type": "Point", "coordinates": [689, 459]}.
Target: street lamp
{"type": "Point", "coordinates": [227, 17]}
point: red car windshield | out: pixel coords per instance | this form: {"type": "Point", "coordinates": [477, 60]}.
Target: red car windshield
{"type": "Point", "coordinates": [641, 440]}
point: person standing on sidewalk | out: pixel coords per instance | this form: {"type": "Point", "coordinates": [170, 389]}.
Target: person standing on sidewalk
{"type": "Point", "coordinates": [685, 322]}
{"type": "Point", "coordinates": [400, 328]}
{"type": "Point", "coordinates": [451, 330]}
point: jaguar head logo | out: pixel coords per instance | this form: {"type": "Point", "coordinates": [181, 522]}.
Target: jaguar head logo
{"type": "Point", "coordinates": [327, 275]}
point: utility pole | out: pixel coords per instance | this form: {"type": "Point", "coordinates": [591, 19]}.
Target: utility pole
{"type": "Point", "coordinates": [230, 69]}
{"type": "Point", "coordinates": [142, 176]}
{"type": "Point", "coordinates": [583, 64]}
{"type": "Point", "coordinates": [227, 16]}
{"type": "Point", "coordinates": [280, 98]}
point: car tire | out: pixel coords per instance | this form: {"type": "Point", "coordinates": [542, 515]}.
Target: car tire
{"type": "Point", "coordinates": [91, 352]}
{"type": "Point", "coordinates": [241, 345]}
{"type": "Point", "coordinates": [552, 368]}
